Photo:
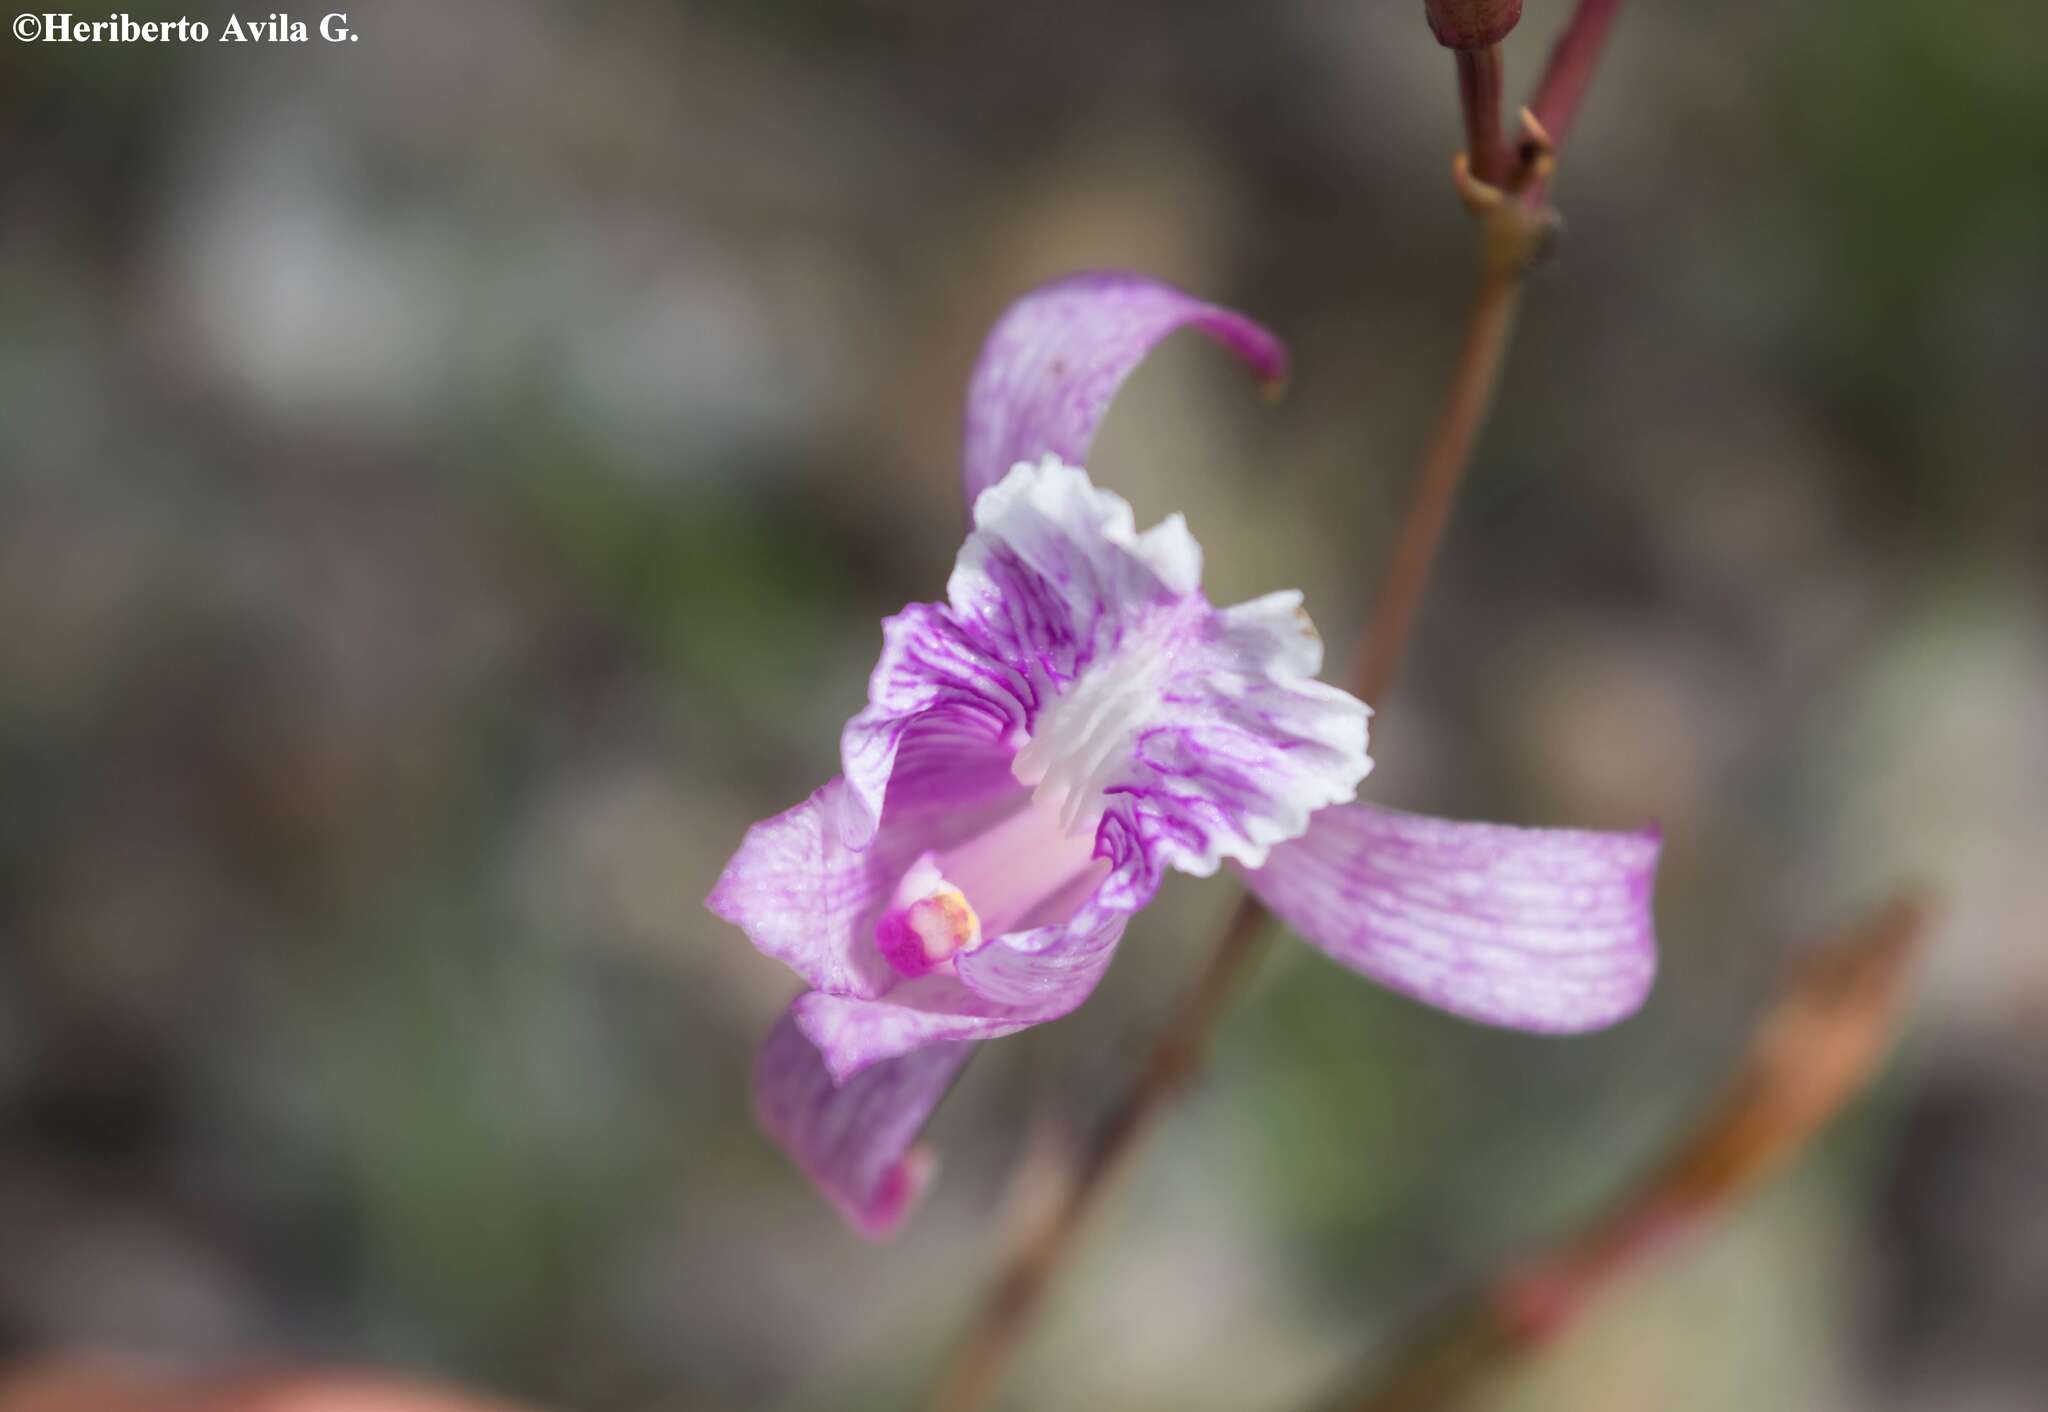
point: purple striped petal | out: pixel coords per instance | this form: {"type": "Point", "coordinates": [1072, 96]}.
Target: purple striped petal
{"type": "Point", "coordinates": [1010, 984]}
{"type": "Point", "coordinates": [855, 1139]}
{"type": "Point", "coordinates": [1055, 360]}
{"type": "Point", "coordinates": [1087, 651]}
{"type": "Point", "coordinates": [1037, 751]}
{"type": "Point", "coordinates": [939, 711]}
{"type": "Point", "coordinates": [1247, 745]}
{"type": "Point", "coordinates": [1547, 930]}
{"type": "Point", "coordinates": [804, 896]}
{"type": "Point", "coordinates": [1204, 731]}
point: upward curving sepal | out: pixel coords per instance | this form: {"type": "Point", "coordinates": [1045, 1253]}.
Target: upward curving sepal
{"type": "Point", "coordinates": [1056, 358]}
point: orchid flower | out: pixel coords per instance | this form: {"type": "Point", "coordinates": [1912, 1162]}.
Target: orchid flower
{"type": "Point", "coordinates": [1072, 721]}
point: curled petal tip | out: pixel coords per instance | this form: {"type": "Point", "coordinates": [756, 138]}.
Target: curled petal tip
{"type": "Point", "coordinates": [1055, 360]}
{"type": "Point", "coordinates": [901, 1191]}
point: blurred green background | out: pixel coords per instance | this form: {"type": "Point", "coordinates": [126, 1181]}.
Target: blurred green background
{"type": "Point", "coordinates": [448, 487]}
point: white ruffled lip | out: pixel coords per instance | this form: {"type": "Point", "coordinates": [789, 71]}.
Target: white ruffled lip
{"type": "Point", "coordinates": [1206, 726]}
{"type": "Point", "coordinates": [1084, 737]}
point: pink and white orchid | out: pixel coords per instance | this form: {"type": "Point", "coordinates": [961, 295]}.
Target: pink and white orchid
{"type": "Point", "coordinates": [1075, 719]}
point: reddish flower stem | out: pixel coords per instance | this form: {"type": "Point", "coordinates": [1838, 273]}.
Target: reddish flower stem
{"type": "Point", "coordinates": [1570, 71]}
{"type": "Point", "coordinates": [984, 1351]}
{"type": "Point", "coordinates": [1479, 98]}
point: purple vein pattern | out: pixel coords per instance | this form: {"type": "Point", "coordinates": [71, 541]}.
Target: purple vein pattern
{"type": "Point", "coordinates": [1054, 362]}
{"type": "Point", "coordinates": [854, 1139]}
{"type": "Point", "coordinates": [1536, 929]}
{"type": "Point", "coordinates": [1074, 719]}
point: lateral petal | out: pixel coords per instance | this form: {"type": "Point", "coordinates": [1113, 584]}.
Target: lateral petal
{"type": "Point", "coordinates": [1548, 930]}
{"type": "Point", "coordinates": [809, 898]}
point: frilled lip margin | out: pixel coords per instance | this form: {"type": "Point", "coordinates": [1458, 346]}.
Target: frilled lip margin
{"type": "Point", "coordinates": [1074, 719]}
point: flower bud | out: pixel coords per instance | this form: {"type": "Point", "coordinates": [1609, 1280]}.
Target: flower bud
{"type": "Point", "coordinates": [1472, 24]}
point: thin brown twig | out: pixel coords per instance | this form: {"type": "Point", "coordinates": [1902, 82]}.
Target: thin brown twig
{"type": "Point", "coordinates": [1819, 1047]}
{"type": "Point", "coordinates": [1514, 223]}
